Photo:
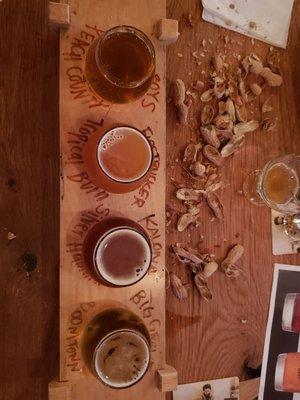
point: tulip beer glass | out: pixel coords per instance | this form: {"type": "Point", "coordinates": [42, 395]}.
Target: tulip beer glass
{"type": "Point", "coordinates": [118, 160]}
{"type": "Point", "coordinates": [120, 64]}
{"type": "Point", "coordinates": [116, 348]}
{"type": "Point", "coordinates": [117, 251]}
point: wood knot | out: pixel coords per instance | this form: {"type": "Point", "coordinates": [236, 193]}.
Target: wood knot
{"type": "Point", "coordinates": [29, 262]}
{"type": "Point", "coordinates": [12, 184]}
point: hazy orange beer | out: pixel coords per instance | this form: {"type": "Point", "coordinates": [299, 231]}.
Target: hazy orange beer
{"type": "Point", "coordinates": [120, 64]}
{"type": "Point", "coordinates": [116, 348]}
{"type": "Point", "coordinates": [118, 160]}
{"type": "Point", "coordinates": [117, 251]}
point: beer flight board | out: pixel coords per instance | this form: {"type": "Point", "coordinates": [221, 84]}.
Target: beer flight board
{"type": "Point", "coordinates": [83, 204]}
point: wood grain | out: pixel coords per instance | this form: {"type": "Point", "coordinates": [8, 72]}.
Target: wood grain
{"type": "Point", "coordinates": [211, 341]}
{"type": "Point", "coordinates": [29, 207]}
{"type": "Point", "coordinates": [59, 391]}
{"type": "Point", "coordinates": [81, 113]}
{"type": "Point", "coordinates": [249, 389]}
{"type": "Point", "coordinates": [217, 339]}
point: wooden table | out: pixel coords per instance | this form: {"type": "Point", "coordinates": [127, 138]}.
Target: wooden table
{"type": "Point", "coordinates": [216, 339]}
{"type": "Point", "coordinates": [204, 340]}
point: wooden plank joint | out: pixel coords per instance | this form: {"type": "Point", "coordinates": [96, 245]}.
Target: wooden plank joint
{"type": "Point", "coordinates": [167, 379]}
{"type": "Point", "coordinates": [59, 14]}
{"type": "Point", "coordinates": [59, 390]}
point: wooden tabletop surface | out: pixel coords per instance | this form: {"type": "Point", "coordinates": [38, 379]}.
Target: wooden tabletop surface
{"type": "Point", "coordinates": [205, 340]}
{"type": "Point", "coordinates": [217, 339]}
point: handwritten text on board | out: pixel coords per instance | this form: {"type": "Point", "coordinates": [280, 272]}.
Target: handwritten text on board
{"type": "Point", "coordinates": [74, 331]}
{"type": "Point", "coordinates": [144, 302]}
{"type": "Point", "coordinates": [79, 88]}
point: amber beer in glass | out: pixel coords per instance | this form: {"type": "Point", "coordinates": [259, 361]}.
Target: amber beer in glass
{"type": "Point", "coordinates": [116, 348]}
{"type": "Point", "coordinates": [120, 64]}
{"type": "Point", "coordinates": [118, 160]}
{"type": "Point", "coordinates": [117, 251]}
{"type": "Point", "coordinates": [276, 185]}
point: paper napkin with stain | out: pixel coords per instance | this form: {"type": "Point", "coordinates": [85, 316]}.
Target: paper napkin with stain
{"type": "Point", "coordinates": [266, 20]}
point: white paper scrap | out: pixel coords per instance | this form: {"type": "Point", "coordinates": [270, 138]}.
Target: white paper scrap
{"type": "Point", "coordinates": [266, 20]}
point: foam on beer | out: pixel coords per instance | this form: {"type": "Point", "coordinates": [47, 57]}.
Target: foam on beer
{"type": "Point", "coordinates": [122, 257]}
{"type": "Point", "coordinates": [116, 161]}
{"type": "Point", "coordinates": [110, 138]}
{"type": "Point", "coordinates": [122, 358]}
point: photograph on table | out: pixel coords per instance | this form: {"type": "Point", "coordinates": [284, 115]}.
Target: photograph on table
{"type": "Point", "coordinates": [280, 378]}
{"type": "Point", "coordinates": [219, 389]}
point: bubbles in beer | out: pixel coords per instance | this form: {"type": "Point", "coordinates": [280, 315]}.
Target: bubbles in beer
{"type": "Point", "coordinates": [122, 358]}
{"type": "Point", "coordinates": [112, 137]}
{"type": "Point", "coordinates": [124, 154]}
{"type": "Point", "coordinates": [123, 256]}
{"type": "Point", "coordinates": [120, 64]}
{"type": "Point", "coordinates": [280, 183]}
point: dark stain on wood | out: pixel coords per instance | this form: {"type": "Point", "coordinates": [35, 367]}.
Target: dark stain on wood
{"type": "Point", "coordinates": [29, 262]}
{"type": "Point", "coordinates": [11, 182]}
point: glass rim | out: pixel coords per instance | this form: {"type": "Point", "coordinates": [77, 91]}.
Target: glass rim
{"type": "Point", "coordinates": [122, 181]}
{"type": "Point", "coordinates": [118, 331]}
{"type": "Point", "coordinates": [288, 312]}
{"type": "Point", "coordinates": [143, 37]}
{"type": "Point", "coordinates": [279, 371]}
{"type": "Point", "coordinates": [260, 187]}
{"type": "Point", "coordinates": [98, 272]}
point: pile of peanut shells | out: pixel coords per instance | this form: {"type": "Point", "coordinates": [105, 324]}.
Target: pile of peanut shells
{"type": "Point", "coordinates": [223, 126]}
{"type": "Point", "coordinates": [222, 131]}
{"type": "Point", "coordinates": [203, 266]}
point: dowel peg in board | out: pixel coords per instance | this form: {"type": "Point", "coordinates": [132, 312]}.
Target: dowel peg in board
{"type": "Point", "coordinates": [59, 390]}
{"type": "Point", "coordinates": [167, 30]}
{"type": "Point", "coordinates": [167, 379]}
{"type": "Point", "coordinates": [59, 14]}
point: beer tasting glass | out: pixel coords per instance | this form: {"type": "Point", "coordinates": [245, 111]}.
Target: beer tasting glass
{"type": "Point", "coordinates": [117, 251]}
{"type": "Point", "coordinates": [118, 160]}
{"type": "Point", "coordinates": [120, 64]}
{"type": "Point", "coordinates": [116, 348]}
{"type": "Point", "coordinates": [276, 185]}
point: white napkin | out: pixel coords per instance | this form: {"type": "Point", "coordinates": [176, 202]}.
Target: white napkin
{"type": "Point", "coordinates": [266, 20]}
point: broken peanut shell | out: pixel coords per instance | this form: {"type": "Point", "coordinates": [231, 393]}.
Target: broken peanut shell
{"type": "Point", "coordinates": [245, 127]}
{"type": "Point", "coordinates": [201, 285]}
{"type": "Point", "coordinates": [190, 153]}
{"type": "Point", "coordinates": [214, 203]}
{"type": "Point", "coordinates": [228, 264]}
{"type": "Point", "coordinates": [209, 135]}
{"type": "Point", "coordinates": [188, 194]}
{"type": "Point", "coordinates": [213, 155]}
{"type": "Point", "coordinates": [207, 114]}
{"type": "Point", "coordinates": [198, 168]}
{"type": "Point", "coordinates": [179, 92]}
{"type": "Point", "coordinates": [207, 96]}
{"type": "Point", "coordinates": [210, 268]}
{"type": "Point", "coordinates": [271, 78]}
{"type": "Point", "coordinates": [178, 289]}
{"type": "Point", "coordinates": [184, 221]}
